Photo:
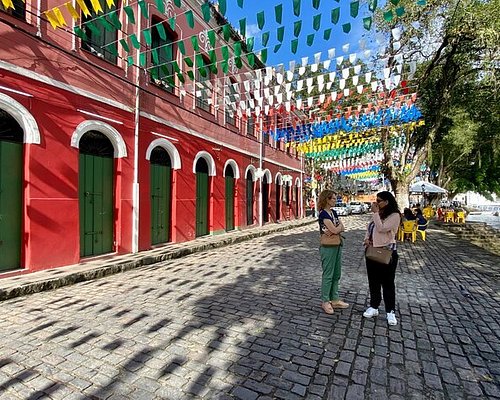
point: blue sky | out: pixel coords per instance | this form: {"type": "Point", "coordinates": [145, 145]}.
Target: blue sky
{"type": "Point", "coordinates": [337, 40]}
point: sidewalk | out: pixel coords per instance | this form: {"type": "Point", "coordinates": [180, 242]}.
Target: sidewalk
{"type": "Point", "coordinates": [21, 285]}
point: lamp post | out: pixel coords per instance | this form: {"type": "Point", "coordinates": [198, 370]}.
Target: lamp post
{"type": "Point", "coordinates": [423, 194]}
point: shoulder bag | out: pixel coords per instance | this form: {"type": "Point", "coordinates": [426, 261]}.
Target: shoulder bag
{"type": "Point", "coordinates": [378, 254]}
{"type": "Point", "coordinates": [330, 240]}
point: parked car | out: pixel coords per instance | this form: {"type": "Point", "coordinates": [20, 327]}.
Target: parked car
{"type": "Point", "coordinates": [357, 207]}
{"type": "Point", "coordinates": [342, 209]}
{"type": "Point", "coordinates": [368, 206]}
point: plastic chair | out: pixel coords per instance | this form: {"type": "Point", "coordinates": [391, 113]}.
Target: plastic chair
{"type": "Point", "coordinates": [428, 213]}
{"type": "Point", "coordinates": [422, 232]}
{"type": "Point", "coordinates": [410, 228]}
{"type": "Point", "coordinates": [460, 218]}
{"type": "Point", "coordinates": [449, 216]}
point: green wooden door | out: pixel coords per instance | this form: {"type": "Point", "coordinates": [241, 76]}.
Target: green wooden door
{"type": "Point", "coordinates": [250, 197]}
{"type": "Point", "coordinates": [265, 200]}
{"type": "Point", "coordinates": [11, 178]}
{"type": "Point", "coordinates": [229, 203]}
{"type": "Point", "coordinates": [278, 202]}
{"type": "Point", "coordinates": [201, 203]}
{"type": "Point", "coordinates": [160, 202]}
{"type": "Point", "coordinates": [96, 204]}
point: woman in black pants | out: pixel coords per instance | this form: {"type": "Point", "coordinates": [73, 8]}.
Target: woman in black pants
{"type": "Point", "coordinates": [382, 232]}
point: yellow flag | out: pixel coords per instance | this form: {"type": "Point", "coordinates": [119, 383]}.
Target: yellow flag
{"type": "Point", "coordinates": [72, 11]}
{"type": "Point", "coordinates": [52, 18]}
{"type": "Point", "coordinates": [7, 4]}
{"type": "Point", "coordinates": [96, 5]}
{"type": "Point", "coordinates": [110, 3]}
{"type": "Point", "coordinates": [59, 16]}
{"type": "Point", "coordinates": [83, 7]}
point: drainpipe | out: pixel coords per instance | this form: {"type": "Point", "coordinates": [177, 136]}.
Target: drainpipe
{"type": "Point", "coordinates": [135, 185]}
{"type": "Point", "coordinates": [261, 151]}
{"type": "Point", "coordinates": [301, 202]}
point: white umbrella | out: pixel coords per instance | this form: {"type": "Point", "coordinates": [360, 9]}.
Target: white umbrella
{"type": "Point", "coordinates": [426, 187]}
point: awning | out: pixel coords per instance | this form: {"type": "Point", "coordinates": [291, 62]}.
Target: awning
{"type": "Point", "coordinates": [426, 187]}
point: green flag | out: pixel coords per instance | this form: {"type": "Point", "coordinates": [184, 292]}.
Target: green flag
{"type": "Point", "coordinates": [250, 43]}
{"type": "Point", "coordinates": [182, 48]}
{"type": "Point", "coordinates": [243, 26]}
{"type": "Point", "coordinates": [147, 36]}
{"type": "Point", "coordinates": [181, 77]}
{"type": "Point", "coordinates": [160, 5]}
{"type": "Point", "coordinates": [346, 27]}
{"type": "Point", "coordinates": [400, 11]}
{"type": "Point", "coordinates": [354, 8]}
{"type": "Point", "coordinates": [278, 13]}
{"type": "Point", "coordinates": [113, 18]}
{"type": "Point", "coordinates": [177, 3]}
{"type": "Point", "coordinates": [194, 42]}
{"type": "Point", "coordinates": [388, 16]}
{"type": "Point", "coordinates": [316, 4]}
{"type": "Point", "coordinates": [335, 15]}
{"type": "Point", "coordinates": [327, 33]}
{"type": "Point", "coordinates": [161, 31]}
{"type": "Point", "coordinates": [205, 9]}
{"type": "Point", "coordinates": [280, 32]}
{"type": "Point", "coordinates": [130, 61]}
{"type": "Point", "coordinates": [176, 66]}
{"type": "Point", "coordinates": [94, 29]}
{"type": "Point", "coordinates": [317, 22]}
{"type": "Point", "coordinates": [261, 19]}
{"type": "Point", "coordinates": [191, 75]}
{"type": "Point", "coordinates": [156, 59]}
{"type": "Point", "coordinates": [237, 49]}
{"type": "Point", "coordinates": [202, 72]}
{"type": "Point", "coordinates": [130, 14]}
{"type": "Point", "coordinates": [294, 44]}
{"type": "Point", "coordinates": [367, 23]}
{"type": "Point", "coordinates": [188, 62]}
{"type": "Point", "coordinates": [225, 53]}
{"type": "Point", "coordinates": [222, 7]}
{"type": "Point", "coordinates": [265, 38]}
{"type": "Point", "coordinates": [240, 3]}
{"type": "Point", "coordinates": [142, 59]}
{"type": "Point", "coordinates": [395, 2]}
{"type": "Point", "coordinates": [296, 7]}
{"type": "Point", "coordinates": [124, 44]}
{"type": "Point", "coordinates": [171, 23]}
{"type": "Point", "coordinates": [310, 39]}
{"type": "Point", "coordinates": [107, 26]}
{"type": "Point", "coordinates": [297, 26]}
{"type": "Point", "coordinates": [263, 55]}
{"type": "Point", "coordinates": [251, 59]}
{"type": "Point", "coordinates": [213, 56]}
{"type": "Point", "coordinates": [134, 41]}
{"type": "Point", "coordinates": [225, 66]}
{"type": "Point", "coordinates": [226, 32]}
{"type": "Point", "coordinates": [372, 5]}
{"type": "Point", "coordinates": [190, 18]}
{"type": "Point", "coordinates": [211, 38]}
{"type": "Point", "coordinates": [277, 47]}
{"type": "Point", "coordinates": [238, 62]}
{"type": "Point", "coordinates": [144, 9]}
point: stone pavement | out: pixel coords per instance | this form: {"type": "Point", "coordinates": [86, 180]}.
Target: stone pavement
{"type": "Point", "coordinates": [244, 321]}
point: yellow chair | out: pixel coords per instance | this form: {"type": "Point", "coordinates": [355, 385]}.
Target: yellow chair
{"type": "Point", "coordinates": [428, 213]}
{"type": "Point", "coordinates": [422, 233]}
{"type": "Point", "coordinates": [449, 216]}
{"type": "Point", "coordinates": [460, 218]}
{"type": "Point", "coordinates": [409, 228]}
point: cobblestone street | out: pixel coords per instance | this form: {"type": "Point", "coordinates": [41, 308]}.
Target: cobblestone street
{"type": "Point", "coordinates": [244, 321]}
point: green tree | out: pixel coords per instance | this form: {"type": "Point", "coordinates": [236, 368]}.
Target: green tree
{"type": "Point", "coordinates": [456, 44]}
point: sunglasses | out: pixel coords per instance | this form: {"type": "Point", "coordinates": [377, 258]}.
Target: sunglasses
{"type": "Point", "coordinates": [379, 200]}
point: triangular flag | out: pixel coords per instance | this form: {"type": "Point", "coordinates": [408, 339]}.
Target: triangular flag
{"type": "Point", "coordinates": [265, 38]}
{"type": "Point", "coordinates": [177, 3]}
{"type": "Point", "coordinates": [128, 10]}
{"type": "Point", "coordinates": [71, 10]}
{"type": "Point", "coordinates": [134, 41]}
{"type": "Point", "coordinates": [372, 6]}
{"type": "Point", "coordinates": [205, 9]}
{"type": "Point", "coordinates": [294, 45]}
{"type": "Point", "coordinates": [160, 5]}
{"type": "Point", "coordinates": [181, 47]}
{"type": "Point", "coordinates": [388, 16]}
{"type": "Point", "coordinates": [327, 33]}
{"type": "Point", "coordinates": [171, 23]}
{"type": "Point", "coordinates": [250, 42]}
{"type": "Point", "coordinates": [161, 31]}
{"type": "Point", "coordinates": [346, 27]}
{"type": "Point", "coordinates": [367, 23]}
{"type": "Point", "coordinates": [125, 46]}
{"type": "Point", "coordinates": [212, 38]}
{"type": "Point", "coordinates": [96, 5]}
{"type": "Point", "coordinates": [263, 55]}
{"type": "Point", "coordinates": [147, 36]}
{"type": "Point", "coordinates": [354, 8]}
{"type": "Point", "coordinates": [59, 16]}
{"type": "Point", "coordinates": [240, 3]}
{"type": "Point", "coordinates": [144, 8]}
{"type": "Point", "coordinates": [222, 7]}
{"type": "Point", "coordinates": [84, 8]}
{"type": "Point", "coordinates": [276, 48]}
{"type": "Point", "coordinates": [280, 32]}
{"type": "Point", "coordinates": [310, 41]}
{"type": "Point", "coordinates": [115, 21]}
{"type": "Point", "coordinates": [316, 4]}
{"type": "Point", "coordinates": [297, 26]}
{"type": "Point", "coordinates": [51, 17]}
{"type": "Point", "coordinates": [243, 26]}
{"type": "Point", "coordinates": [226, 32]}
{"type": "Point", "coordinates": [194, 42]}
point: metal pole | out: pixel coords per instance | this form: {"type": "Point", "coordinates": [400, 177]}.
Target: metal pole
{"type": "Point", "coordinates": [261, 151]}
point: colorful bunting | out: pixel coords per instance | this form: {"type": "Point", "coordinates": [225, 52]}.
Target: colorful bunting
{"type": "Point", "coordinates": [260, 19]}
{"type": "Point", "coordinates": [296, 7]}
{"type": "Point", "coordinates": [278, 13]}
{"type": "Point", "coordinates": [335, 15]}
{"type": "Point", "coordinates": [190, 18]}
{"type": "Point", "coordinates": [317, 22]}
{"type": "Point", "coordinates": [354, 8]}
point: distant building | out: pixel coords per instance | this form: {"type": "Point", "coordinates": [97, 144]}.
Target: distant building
{"type": "Point", "coordinates": [107, 144]}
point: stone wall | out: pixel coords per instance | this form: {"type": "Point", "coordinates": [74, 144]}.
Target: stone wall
{"type": "Point", "coordinates": [478, 233]}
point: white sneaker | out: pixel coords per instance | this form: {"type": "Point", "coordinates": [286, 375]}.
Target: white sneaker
{"type": "Point", "coordinates": [370, 312]}
{"type": "Point", "coordinates": [391, 318]}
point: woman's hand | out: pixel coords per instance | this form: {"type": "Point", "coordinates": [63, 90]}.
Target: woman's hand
{"type": "Point", "coordinates": [375, 207]}
{"type": "Point", "coordinates": [367, 243]}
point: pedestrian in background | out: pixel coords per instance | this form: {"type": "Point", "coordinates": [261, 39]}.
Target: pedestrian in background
{"type": "Point", "coordinates": [382, 232]}
{"type": "Point", "coordinates": [331, 256]}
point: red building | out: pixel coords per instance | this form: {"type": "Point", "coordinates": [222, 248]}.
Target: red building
{"type": "Point", "coordinates": [108, 148]}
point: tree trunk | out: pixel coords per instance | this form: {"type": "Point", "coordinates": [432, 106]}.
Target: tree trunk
{"type": "Point", "coordinates": [402, 192]}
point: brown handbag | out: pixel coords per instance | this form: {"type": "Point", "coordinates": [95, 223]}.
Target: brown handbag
{"type": "Point", "coordinates": [378, 254]}
{"type": "Point", "coordinates": [330, 240]}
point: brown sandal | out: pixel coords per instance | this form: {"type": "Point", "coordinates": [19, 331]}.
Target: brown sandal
{"type": "Point", "coordinates": [327, 307]}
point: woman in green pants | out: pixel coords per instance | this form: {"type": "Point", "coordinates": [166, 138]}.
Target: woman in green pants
{"type": "Point", "coordinates": [329, 224]}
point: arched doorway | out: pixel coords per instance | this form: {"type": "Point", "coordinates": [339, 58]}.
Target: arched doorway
{"type": "Point", "coordinates": [250, 197]}
{"type": "Point", "coordinates": [278, 198]}
{"type": "Point", "coordinates": [96, 188]}
{"type": "Point", "coordinates": [202, 194]}
{"type": "Point", "coordinates": [11, 191]}
{"type": "Point", "coordinates": [161, 184]}
{"type": "Point", "coordinates": [265, 199]}
{"type": "Point", "coordinates": [229, 174]}
{"type": "Point", "coordinates": [296, 199]}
